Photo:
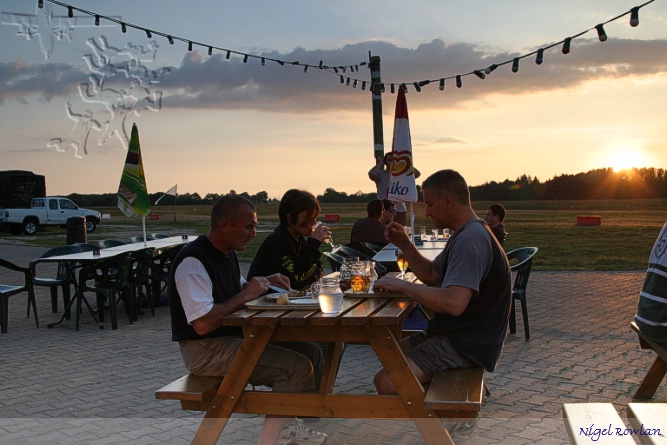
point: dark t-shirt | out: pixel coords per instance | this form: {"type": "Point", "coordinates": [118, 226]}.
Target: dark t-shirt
{"type": "Point", "coordinates": [474, 259]}
{"type": "Point", "coordinates": [369, 230]}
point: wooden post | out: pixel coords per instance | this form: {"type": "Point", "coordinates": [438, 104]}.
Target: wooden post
{"type": "Point", "coordinates": [376, 93]}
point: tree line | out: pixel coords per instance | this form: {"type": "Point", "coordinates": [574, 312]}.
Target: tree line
{"type": "Point", "coordinates": [642, 183]}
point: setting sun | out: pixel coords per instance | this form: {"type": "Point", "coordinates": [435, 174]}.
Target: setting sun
{"type": "Point", "coordinates": [625, 159]}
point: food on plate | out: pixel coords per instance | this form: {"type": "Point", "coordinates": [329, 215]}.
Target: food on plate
{"type": "Point", "coordinates": [297, 293]}
{"type": "Point", "coordinates": [283, 299]}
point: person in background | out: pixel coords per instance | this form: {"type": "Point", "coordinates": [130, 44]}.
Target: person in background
{"type": "Point", "coordinates": [651, 314]}
{"type": "Point", "coordinates": [468, 286]}
{"type": "Point", "coordinates": [495, 215]}
{"type": "Point", "coordinates": [380, 175]}
{"type": "Point", "coordinates": [293, 249]}
{"type": "Point", "coordinates": [205, 285]}
{"type": "Point", "coordinates": [370, 229]}
{"type": "Point", "coordinates": [388, 212]}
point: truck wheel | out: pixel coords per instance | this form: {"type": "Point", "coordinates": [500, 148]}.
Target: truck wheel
{"type": "Point", "coordinates": [90, 225]}
{"type": "Point", "coordinates": [30, 227]}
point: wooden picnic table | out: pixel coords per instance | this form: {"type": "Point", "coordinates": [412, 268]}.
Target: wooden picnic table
{"type": "Point", "coordinates": [364, 319]}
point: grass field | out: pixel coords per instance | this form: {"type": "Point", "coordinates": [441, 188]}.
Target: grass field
{"type": "Point", "coordinates": [623, 241]}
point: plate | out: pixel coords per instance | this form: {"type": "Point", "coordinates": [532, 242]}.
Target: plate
{"type": "Point", "coordinates": [302, 301]}
{"type": "Point", "coordinates": [274, 297]}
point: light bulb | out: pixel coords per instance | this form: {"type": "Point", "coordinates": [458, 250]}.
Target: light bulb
{"type": "Point", "coordinates": [97, 20]}
{"type": "Point", "coordinates": [70, 12]}
{"type": "Point", "coordinates": [634, 16]}
{"type": "Point", "coordinates": [228, 55]}
{"type": "Point", "coordinates": [149, 34]}
{"type": "Point", "coordinates": [442, 84]}
{"type": "Point", "coordinates": [417, 87]}
{"type": "Point", "coordinates": [123, 27]}
{"type": "Point", "coordinates": [245, 59]}
{"type": "Point", "coordinates": [515, 65]}
{"type": "Point", "coordinates": [392, 89]}
{"type": "Point", "coordinates": [601, 34]}
{"type": "Point", "coordinates": [40, 4]}
{"type": "Point", "coordinates": [263, 61]}
{"type": "Point", "coordinates": [540, 56]}
{"type": "Point", "coordinates": [347, 82]}
{"type": "Point", "coordinates": [566, 45]}
{"type": "Point", "coordinates": [490, 69]}
{"type": "Point", "coordinates": [363, 85]}
{"type": "Point", "coordinates": [479, 74]}
{"type": "Point", "coordinates": [459, 83]}
{"type": "Point", "coordinates": [189, 46]}
{"type": "Point", "coordinates": [210, 50]}
{"type": "Point", "coordinates": [342, 80]}
{"type": "Point", "coordinates": [305, 70]}
{"type": "Point", "coordinates": [355, 83]}
{"type": "Point", "coordinates": [171, 40]}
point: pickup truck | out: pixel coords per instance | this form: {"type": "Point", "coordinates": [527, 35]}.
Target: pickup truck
{"type": "Point", "coordinates": [49, 211]}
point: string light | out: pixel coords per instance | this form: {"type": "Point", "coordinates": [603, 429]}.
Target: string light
{"type": "Point", "coordinates": [515, 65]}
{"type": "Point", "coordinates": [171, 40]}
{"type": "Point", "coordinates": [40, 4]}
{"type": "Point", "coordinates": [540, 56]}
{"type": "Point", "coordinates": [305, 69]}
{"type": "Point", "coordinates": [354, 84]}
{"type": "Point", "coordinates": [634, 16]}
{"type": "Point", "coordinates": [342, 79]}
{"type": "Point", "coordinates": [363, 85]}
{"type": "Point", "coordinates": [459, 82]}
{"type": "Point", "coordinates": [566, 45]}
{"type": "Point", "coordinates": [210, 50]}
{"type": "Point", "coordinates": [442, 84]}
{"type": "Point", "coordinates": [228, 55]}
{"type": "Point", "coordinates": [97, 20]}
{"type": "Point", "coordinates": [417, 87]}
{"type": "Point", "coordinates": [149, 34]}
{"type": "Point", "coordinates": [70, 12]}
{"type": "Point", "coordinates": [490, 69]}
{"type": "Point", "coordinates": [404, 88]}
{"type": "Point", "coordinates": [245, 59]}
{"type": "Point", "coordinates": [601, 34]}
{"type": "Point", "coordinates": [479, 74]}
{"type": "Point", "coordinates": [189, 46]}
{"type": "Point", "coordinates": [347, 81]}
{"type": "Point", "coordinates": [123, 28]}
{"type": "Point", "coordinates": [393, 89]}
{"type": "Point", "coordinates": [263, 61]}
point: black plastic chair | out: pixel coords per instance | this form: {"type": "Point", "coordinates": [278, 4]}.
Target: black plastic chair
{"type": "Point", "coordinates": [521, 261]}
{"type": "Point", "coordinates": [62, 278]}
{"type": "Point", "coordinates": [160, 268]}
{"type": "Point", "coordinates": [112, 281]}
{"type": "Point", "coordinates": [335, 261]}
{"type": "Point", "coordinates": [110, 243]}
{"type": "Point", "coordinates": [139, 279]}
{"type": "Point", "coordinates": [351, 253]}
{"type": "Point", "coordinates": [372, 248]}
{"type": "Point", "coordinates": [140, 238]}
{"type": "Point", "coordinates": [7, 290]}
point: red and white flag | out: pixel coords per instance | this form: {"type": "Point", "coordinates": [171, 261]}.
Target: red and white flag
{"type": "Point", "coordinates": [402, 186]}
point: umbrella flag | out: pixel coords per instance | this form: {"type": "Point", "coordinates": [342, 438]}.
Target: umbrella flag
{"type": "Point", "coordinates": [132, 192]}
{"type": "Point", "coordinates": [402, 186]}
{"type": "Point", "coordinates": [172, 191]}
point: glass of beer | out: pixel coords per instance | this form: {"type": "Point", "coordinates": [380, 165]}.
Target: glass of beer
{"type": "Point", "coordinates": [402, 263]}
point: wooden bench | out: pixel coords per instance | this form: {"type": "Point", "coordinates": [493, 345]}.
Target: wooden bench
{"type": "Point", "coordinates": [456, 392]}
{"type": "Point", "coordinates": [194, 391]}
{"type": "Point", "coordinates": [588, 423]}
{"type": "Point", "coordinates": [657, 371]}
{"type": "Point", "coordinates": [648, 418]}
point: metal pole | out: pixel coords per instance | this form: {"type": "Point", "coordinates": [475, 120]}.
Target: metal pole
{"type": "Point", "coordinates": [376, 92]}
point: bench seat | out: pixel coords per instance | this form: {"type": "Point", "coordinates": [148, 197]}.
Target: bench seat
{"type": "Point", "coordinates": [194, 391]}
{"type": "Point", "coordinates": [657, 371]}
{"type": "Point", "coordinates": [457, 392]}
{"type": "Point", "coordinates": [588, 423]}
{"type": "Point", "coordinates": [648, 418]}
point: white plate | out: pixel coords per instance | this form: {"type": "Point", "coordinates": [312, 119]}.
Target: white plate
{"type": "Point", "coordinates": [274, 297]}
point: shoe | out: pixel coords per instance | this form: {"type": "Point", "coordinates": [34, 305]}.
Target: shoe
{"type": "Point", "coordinates": [298, 434]}
{"type": "Point", "coordinates": [459, 429]}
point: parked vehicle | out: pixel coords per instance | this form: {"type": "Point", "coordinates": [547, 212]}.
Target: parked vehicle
{"type": "Point", "coordinates": [49, 211]}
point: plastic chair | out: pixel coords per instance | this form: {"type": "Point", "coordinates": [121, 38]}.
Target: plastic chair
{"type": "Point", "coordinates": [372, 248]}
{"type": "Point", "coordinates": [7, 290]}
{"type": "Point", "coordinates": [113, 273]}
{"type": "Point", "coordinates": [160, 268]}
{"type": "Point", "coordinates": [351, 253]}
{"type": "Point", "coordinates": [523, 259]}
{"type": "Point", "coordinates": [139, 278]}
{"type": "Point", "coordinates": [159, 235]}
{"type": "Point", "coordinates": [62, 277]}
{"type": "Point", "coordinates": [335, 261]}
{"type": "Point", "coordinates": [110, 243]}
{"type": "Point", "coordinates": [140, 238]}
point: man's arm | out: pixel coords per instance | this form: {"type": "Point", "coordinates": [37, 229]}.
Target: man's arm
{"type": "Point", "coordinates": [450, 300]}
{"type": "Point", "coordinates": [374, 173]}
{"type": "Point", "coordinates": [421, 266]}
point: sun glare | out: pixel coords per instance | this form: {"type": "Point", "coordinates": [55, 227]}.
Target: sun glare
{"type": "Point", "coordinates": [624, 160]}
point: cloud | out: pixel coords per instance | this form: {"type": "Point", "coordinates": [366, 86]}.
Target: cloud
{"type": "Point", "coordinates": [214, 82]}
{"type": "Point", "coordinates": [448, 140]}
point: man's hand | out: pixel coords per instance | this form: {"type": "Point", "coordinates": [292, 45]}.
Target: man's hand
{"type": "Point", "coordinates": [257, 286]}
{"type": "Point", "coordinates": [321, 232]}
{"type": "Point", "coordinates": [279, 280]}
{"type": "Point", "coordinates": [389, 284]}
{"type": "Point", "coordinates": [396, 234]}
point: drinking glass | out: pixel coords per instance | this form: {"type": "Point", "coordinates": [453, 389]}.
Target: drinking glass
{"type": "Point", "coordinates": [361, 277]}
{"type": "Point", "coordinates": [402, 263]}
{"type": "Point", "coordinates": [435, 234]}
{"type": "Point", "coordinates": [328, 239]}
{"type": "Point", "coordinates": [422, 232]}
{"type": "Point", "coordinates": [445, 234]}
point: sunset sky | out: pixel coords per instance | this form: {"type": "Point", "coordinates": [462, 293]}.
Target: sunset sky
{"type": "Point", "coordinates": [226, 125]}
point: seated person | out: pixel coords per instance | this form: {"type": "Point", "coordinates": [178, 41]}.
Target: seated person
{"type": "Point", "coordinates": [293, 249]}
{"type": "Point", "coordinates": [388, 212]}
{"type": "Point", "coordinates": [495, 215]}
{"type": "Point", "coordinates": [370, 229]}
{"type": "Point", "coordinates": [205, 285]}
{"type": "Point", "coordinates": [468, 287]}
{"type": "Point", "coordinates": [652, 306]}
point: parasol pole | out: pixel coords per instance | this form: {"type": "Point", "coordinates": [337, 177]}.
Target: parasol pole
{"type": "Point", "coordinates": [412, 224]}
{"type": "Point", "coordinates": [143, 226]}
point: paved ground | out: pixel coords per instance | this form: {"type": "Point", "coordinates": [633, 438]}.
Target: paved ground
{"type": "Point", "coordinates": [63, 386]}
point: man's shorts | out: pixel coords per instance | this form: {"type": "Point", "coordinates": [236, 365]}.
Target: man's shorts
{"type": "Point", "coordinates": [434, 353]}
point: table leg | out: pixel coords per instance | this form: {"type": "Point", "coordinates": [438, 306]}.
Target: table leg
{"type": "Point", "coordinates": [652, 380]}
{"type": "Point", "coordinates": [234, 383]}
{"type": "Point", "coordinates": [411, 392]}
{"type": "Point", "coordinates": [331, 366]}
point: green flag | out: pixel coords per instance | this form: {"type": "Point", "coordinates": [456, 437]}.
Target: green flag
{"type": "Point", "coordinates": [132, 192]}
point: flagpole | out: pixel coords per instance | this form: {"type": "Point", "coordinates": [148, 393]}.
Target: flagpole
{"type": "Point", "coordinates": [143, 226]}
{"type": "Point", "coordinates": [412, 224]}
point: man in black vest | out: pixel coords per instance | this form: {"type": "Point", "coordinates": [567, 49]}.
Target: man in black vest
{"type": "Point", "coordinates": [205, 286]}
{"type": "Point", "coordinates": [468, 287]}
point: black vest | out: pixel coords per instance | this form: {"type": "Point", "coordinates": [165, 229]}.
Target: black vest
{"type": "Point", "coordinates": [479, 332]}
{"type": "Point", "coordinates": [225, 273]}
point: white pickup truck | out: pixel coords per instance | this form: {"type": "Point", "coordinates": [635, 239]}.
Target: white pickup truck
{"type": "Point", "coordinates": [50, 211]}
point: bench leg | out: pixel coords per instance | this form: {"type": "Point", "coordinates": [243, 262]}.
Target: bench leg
{"type": "Point", "coordinates": [652, 380]}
